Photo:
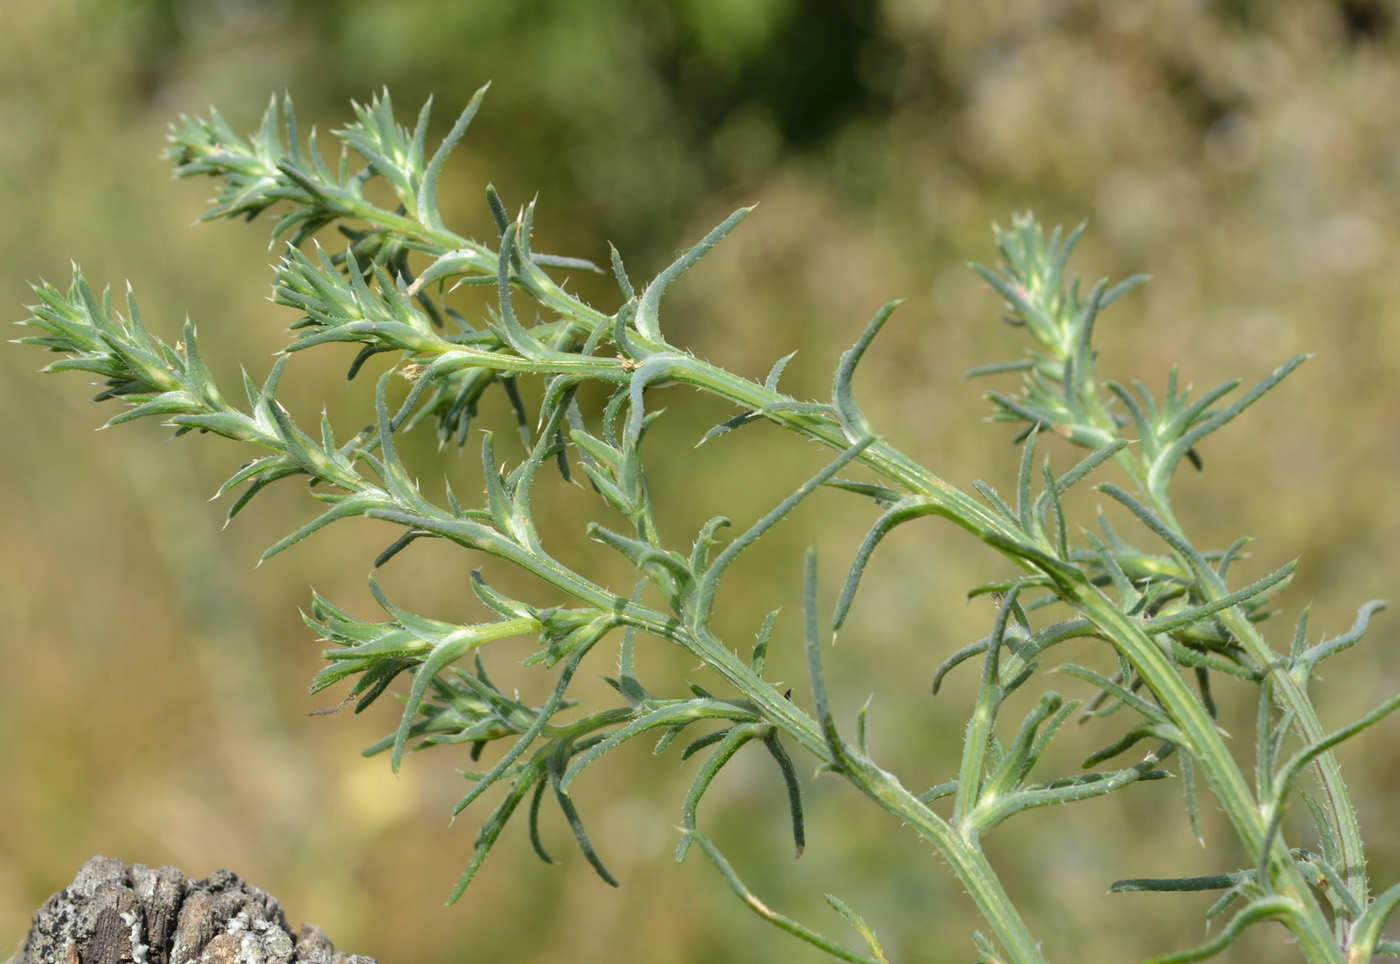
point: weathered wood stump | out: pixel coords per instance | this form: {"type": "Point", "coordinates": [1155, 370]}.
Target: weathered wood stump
{"type": "Point", "coordinates": [113, 914]}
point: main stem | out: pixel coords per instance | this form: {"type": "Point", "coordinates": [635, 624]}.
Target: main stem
{"type": "Point", "coordinates": [1289, 693]}
{"type": "Point", "coordinates": [1292, 696]}
{"type": "Point", "coordinates": [1307, 921]}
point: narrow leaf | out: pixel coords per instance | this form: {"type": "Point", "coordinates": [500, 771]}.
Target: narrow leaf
{"type": "Point", "coordinates": [853, 420]}
{"type": "Point", "coordinates": [648, 321]}
{"type": "Point", "coordinates": [762, 910]}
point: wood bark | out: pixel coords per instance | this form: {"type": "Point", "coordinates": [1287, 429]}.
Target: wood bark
{"type": "Point", "coordinates": [114, 914]}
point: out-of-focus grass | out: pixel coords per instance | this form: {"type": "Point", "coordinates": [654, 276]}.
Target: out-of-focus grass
{"type": "Point", "coordinates": [151, 701]}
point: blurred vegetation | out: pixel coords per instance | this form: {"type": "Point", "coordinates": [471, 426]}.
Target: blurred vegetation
{"type": "Point", "coordinates": [1247, 154]}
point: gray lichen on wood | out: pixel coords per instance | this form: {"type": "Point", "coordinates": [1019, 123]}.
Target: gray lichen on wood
{"type": "Point", "coordinates": [114, 914]}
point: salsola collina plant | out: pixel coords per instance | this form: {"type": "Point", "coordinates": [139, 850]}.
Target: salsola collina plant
{"type": "Point", "coordinates": [1168, 610]}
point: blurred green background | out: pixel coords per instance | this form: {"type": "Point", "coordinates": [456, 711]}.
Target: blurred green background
{"type": "Point", "coordinates": [152, 701]}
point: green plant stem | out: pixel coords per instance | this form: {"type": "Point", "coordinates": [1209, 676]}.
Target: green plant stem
{"type": "Point", "coordinates": [1289, 694]}
{"type": "Point", "coordinates": [1292, 696]}
{"type": "Point", "coordinates": [1307, 920]}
